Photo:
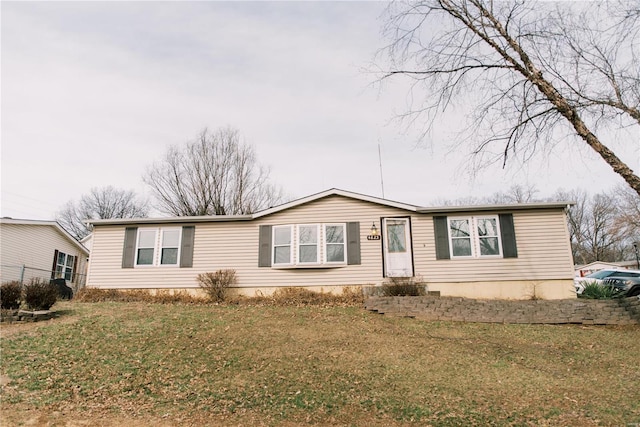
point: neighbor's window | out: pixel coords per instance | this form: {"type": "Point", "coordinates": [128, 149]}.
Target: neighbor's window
{"type": "Point", "coordinates": [475, 236]}
{"type": "Point", "coordinates": [335, 243]}
{"type": "Point", "coordinates": [158, 246]}
{"type": "Point", "coordinates": [64, 266]}
{"type": "Point", "coordinates": [282, 245]}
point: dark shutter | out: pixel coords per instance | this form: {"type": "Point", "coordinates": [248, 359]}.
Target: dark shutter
{"type": "Point", "coordinates": [55, 263]}
{"type": "Point", "coordinates": [186, 249]}
{"type": "Point", "coordinates": [264, 246]}
{"type": "Point", "coordinates": [508, 236]}
{"type": "Point", "coordinates": [353, 243]}
{"type": "Point", "coordinates": [441, 232]}
{"type": "Point", "coordinates": [129, 250]}
{"type": "Point", "coordinates": [74, 274]}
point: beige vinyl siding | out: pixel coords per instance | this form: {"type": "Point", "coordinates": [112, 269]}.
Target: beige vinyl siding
{"type": "Point", "coordinates": [542, 241]}
{"type": "Point", "coordinates": [220, 245]}
{"type": "Point", "coordinates": [543, 246]}
{"type": "Point", "coordinates": [33, 246]}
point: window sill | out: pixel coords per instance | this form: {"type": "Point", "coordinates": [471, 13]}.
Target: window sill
{"type": "Point", "coordinates": [307, 266]}
{"type": "Point", "coordinates": [143, 266]}
{"type": "Point", "coordinates": [476, 257]}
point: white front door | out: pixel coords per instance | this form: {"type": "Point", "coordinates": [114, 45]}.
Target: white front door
{"type": "Point", "coordinates": [398, 258]}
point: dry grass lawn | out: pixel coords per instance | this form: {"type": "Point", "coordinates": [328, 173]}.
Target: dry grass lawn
{"type": "Point", "coordinates": [174, 365]}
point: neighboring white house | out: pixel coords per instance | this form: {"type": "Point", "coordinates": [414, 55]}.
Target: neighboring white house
{"type": "Point", "coordinates": [43, 249]}
{"type": "Point", "coordinates": [585, 270]}
{"type": "Point", "coordinates": [338, 238]}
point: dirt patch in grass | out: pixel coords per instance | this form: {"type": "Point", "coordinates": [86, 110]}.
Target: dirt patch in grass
{"type": "Point", "coordinates": [151, 364]}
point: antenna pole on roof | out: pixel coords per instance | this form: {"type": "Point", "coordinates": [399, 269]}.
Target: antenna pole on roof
{"type": "Point", "coordinates": [380, 161]}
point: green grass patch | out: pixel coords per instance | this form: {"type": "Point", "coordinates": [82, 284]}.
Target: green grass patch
{"type": "Point", "coordinates": [316, 365]}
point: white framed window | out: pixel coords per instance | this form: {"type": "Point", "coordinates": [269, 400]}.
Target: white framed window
{"type": "Point", "coordinates": [282, 238]}
{"type": "Point", "coordinates": [335, 246]}
{"type": "Point", "coordinates": [474, 236]}
{"type": "Point", "coordinates": [146, 245]}
{"type": "Point", "coordinates": [489, 236]}
{"type": "Point", "coordinates": [158, 246]}
{"type": "Point", "coordinates": [309, 244]}
{"type": "Point", "coordinates": [170, 246]}
{"type": "Point", "coordinates": [64, 266]}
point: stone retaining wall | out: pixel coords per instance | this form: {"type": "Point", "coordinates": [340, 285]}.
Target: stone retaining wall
{"type": "Point", "coordinates": [10, 316]}
{"type": "Point", "coordinates": [624, 311]}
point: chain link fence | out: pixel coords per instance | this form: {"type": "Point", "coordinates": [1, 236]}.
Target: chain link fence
{"type": "Point", "coordinates": [24, 274]}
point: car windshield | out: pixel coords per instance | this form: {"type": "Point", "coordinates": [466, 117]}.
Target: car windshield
{"type": "Point", "coordinates": [600, 274]}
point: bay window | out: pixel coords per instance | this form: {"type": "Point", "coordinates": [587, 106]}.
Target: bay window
{"type": "Point", "coordinates": [282, 244]}
{"type": "Point", "coordinates": [335, 243]}
{"type": "Point", "coordinates": [309, 244]}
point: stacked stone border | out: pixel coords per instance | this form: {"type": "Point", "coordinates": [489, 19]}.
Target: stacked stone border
{"type": "Point", "coordinates": [623, 311]}
{"type": "Point", "coordinates": [10, 316]}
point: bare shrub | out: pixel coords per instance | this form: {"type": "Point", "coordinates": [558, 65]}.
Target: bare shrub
{"type": "Point", "coordinates": [404, 286]}
{"type": "Point", "coordinates": [40, 294]}
{"type": "Point", "coordinates": [352, 296]}
{"type": "Point", "coordinates": [10, 295]}
{"type": "Point", "coordinates": [294, 296]}
{"type": "Point", "coordinates": [297, 296]}
{"type": "Point", "coordinates": [138, 295]}
{"type": "Point", "coordinates": [216, 285]}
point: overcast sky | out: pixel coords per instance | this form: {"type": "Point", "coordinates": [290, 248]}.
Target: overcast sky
{"type": "Point", "coordinates": [94, 92]}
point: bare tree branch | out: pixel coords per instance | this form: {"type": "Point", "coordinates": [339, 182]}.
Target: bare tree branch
{"type": "Point", "coordinates": [540, 68]}
{"type": "Point", "coordinates": [216, 174]}
{"type": "Point", "coordinates": [101, 203]}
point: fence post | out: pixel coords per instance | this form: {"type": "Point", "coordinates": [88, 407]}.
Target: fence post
{"type": "Point", "coordinates": [22, 274]}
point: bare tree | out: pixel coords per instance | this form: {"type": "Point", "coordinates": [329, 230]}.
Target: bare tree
{"type": "Point", "coordinates": [602, 238]}
{"type": "Point", "coordinates": [628, 216]}
{"type": "Point", "coordinates": [533, 74]}
{"type": "Point", "coordinates": [101, 203]}
{"type": "Point", "coordinates": [216, 174]}
{"type": "Point", "coordinates": [515, 194]}
{"type": "Point", "coordinates": [577, 221]}
{"type": "Point", "coordinates": [602, 227]}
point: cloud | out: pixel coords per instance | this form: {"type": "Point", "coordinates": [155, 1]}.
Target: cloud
{"type": "Point", "coordinates": [93, 92]}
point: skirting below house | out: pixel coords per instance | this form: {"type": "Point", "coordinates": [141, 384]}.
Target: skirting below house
{"type": "Point", "coordinates": [507, 290]}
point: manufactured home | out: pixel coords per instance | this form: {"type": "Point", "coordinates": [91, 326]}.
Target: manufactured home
{"type": "Point", "coordinates": [337, 238]}
{"type": "Point", "coordinates": [32, 249]}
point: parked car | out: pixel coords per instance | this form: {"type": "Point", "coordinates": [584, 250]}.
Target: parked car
{"type": "Point", "coordinates": [624, 286]}
{"type": "Point", "coordinates": [599, 276]}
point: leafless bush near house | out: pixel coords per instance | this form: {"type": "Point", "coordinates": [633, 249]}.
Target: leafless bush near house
{"type": "Point", "coordinates": [216, 284]}
{"type": "Point", "coordinates": [91, 295]}
{"type": "Point", "coordinates": [10, 295]}
{"type": "Point", "coordinates": [404, 286]}
{"type": "Point", "coordinates": [297, 296]}
{"type": "Point", "coordinates": [40, 294]}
